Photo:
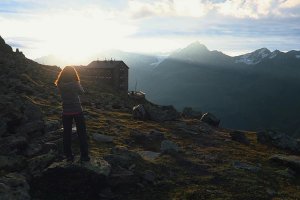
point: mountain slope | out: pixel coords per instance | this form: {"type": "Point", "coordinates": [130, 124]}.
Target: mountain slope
{"type": "Point", "coordinates": [245, 96]}
{"type": "Point", "coordinates": [183, 159]}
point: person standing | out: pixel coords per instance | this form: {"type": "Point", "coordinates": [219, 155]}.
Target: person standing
{"type": "Point", "coordinates": [69, 87]}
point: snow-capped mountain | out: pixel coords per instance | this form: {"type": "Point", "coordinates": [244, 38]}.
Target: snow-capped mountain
{"type": "Point", "coordinates": [256, 57]}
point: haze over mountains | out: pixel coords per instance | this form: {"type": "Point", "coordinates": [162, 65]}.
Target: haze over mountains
{"type": "Point", "coordinates": [256, 90]}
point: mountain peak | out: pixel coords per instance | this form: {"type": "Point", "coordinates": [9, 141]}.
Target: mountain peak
{"type": "Point", "coordinates": [197, 46]}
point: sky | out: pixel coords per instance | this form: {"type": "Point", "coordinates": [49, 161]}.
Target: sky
{"type": "Point", "coordinates": [78, 28]}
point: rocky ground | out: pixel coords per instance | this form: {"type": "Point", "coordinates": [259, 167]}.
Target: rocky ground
{"type": "Point", "coordinates": [168, 156]}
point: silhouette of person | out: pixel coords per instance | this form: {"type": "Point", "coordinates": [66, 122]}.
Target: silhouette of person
{"type": "Point", "coordinates": [69, 87]}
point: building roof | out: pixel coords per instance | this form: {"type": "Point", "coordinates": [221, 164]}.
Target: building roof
{"type": "Point", "coordinates": [106, 64]}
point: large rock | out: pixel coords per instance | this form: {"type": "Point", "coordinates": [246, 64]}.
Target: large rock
{"type": "Point", "coordinates": [12, 163]}
{"type": "Point", "coordinates": [161, 113]}
{"type": "Point", "coordinates": [13, 144]}
{"type": "Point", "coordinates": [210, 119]}
{"type": "Point", "coordinates": [280, 140]}
{"type": "Point", "coordinates": [102, 138]}
{"type": "Point", "coordinates": [121, 156]}
{"type": "Point", "coordinates": [149, 141]}
{"type": "Point", "coordinates": [288, 160]}
{"type": "Point", "coordinates": [13, 186]}
{"type": "Point", "coordinates": [188, 112]}
{"type": "Point", "coordinates": [62, 180]}
{"type": "Point", "coordinates": [139, 112]}
{"type": "Point", "coordinates": [32, 128]}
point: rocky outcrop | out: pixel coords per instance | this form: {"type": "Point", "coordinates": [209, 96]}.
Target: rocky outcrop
{"type": "Point", "coordinates": [121, 156]}
{"type": "Point", "coordinates": [279, 140]}
{"type": "Point", "coordinates": [155, 112]}
{"type": "Point", "coordinates": [287, 160]}
{"type": "Point", "coordinates": [72, 181]}
{"type": "Point", "coordinates": [161, 113]}
{"type": "Point", "coordinates": [188, 112]}
{"type": "Point", "coordinates": [210, 119]}
{"type": "Point", "coordinates": [139, 112]}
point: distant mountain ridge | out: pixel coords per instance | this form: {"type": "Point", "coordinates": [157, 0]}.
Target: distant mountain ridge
{"type": "Point", "coordinates": [256, 90]}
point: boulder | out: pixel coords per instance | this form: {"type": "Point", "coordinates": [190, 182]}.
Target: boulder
{"type": "Point", "coordinates": [139, 112]}
{"type": "Point", "coordinates": [188, 112]}
{"type": "Point", "coordinates": [121, 156]}
{"type": "Point", "coordinates": [210, 119]}
{"type": "Point", "coordinates": [14, 186]}
{"type": "Point", "coordinates": [168, 146]}
{"type": "Point", "coordinates": [150, 141]}
{"type": "Point", "coordinates": [12, 163]}
{"type": "Point", "coordinates": [32, 128]}
{"type": "Point", "coordinates": [13, 144]}
{"type": "Point", "coordinates": [277, 139]}
{"type": "Point", "coordinates": [161, 113]}
{"type": "Point", "coordinates": [239, 137]}
{"type": "Point", "coordinates": [287, 160]}
{"type": "Point", "coordinates": [62, 180]}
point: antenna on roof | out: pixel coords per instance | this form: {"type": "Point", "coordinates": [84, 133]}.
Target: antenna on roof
{"type": "Point", "coordinates": [135, 85]}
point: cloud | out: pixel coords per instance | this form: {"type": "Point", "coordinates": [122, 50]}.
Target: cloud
{"type": "Point", "coordinates": [190, 8]}
{"type": "Point", "coordinates": [200, 8]}
{"type": "Point", "coordinates": [83, 27]}
{"type": "Point", "coordinates": [289, 3]}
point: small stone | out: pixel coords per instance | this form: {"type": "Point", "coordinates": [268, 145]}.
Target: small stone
{"type": "Point", "coordinates": [149, 176]}
{"type": "Point", "coordinates": [245, 166]}
{"type": "Point", "coordinates": [102, 138]}
{"type": "Point", "coordinates": [168, 146]}
{"type": "Point", "coordinates": [149, 155]}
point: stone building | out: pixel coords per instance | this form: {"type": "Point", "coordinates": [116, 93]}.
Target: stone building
{"type": "Point", "coordinates": [109, 72]}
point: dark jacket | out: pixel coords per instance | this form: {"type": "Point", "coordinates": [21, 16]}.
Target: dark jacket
{"type": "Point", "coordinates": [70, 96]}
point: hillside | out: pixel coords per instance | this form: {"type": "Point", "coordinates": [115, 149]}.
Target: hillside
{"type": "Point", "coordinates": [132, 159]}
{"type": "Point", "coordinates": [253, 91]}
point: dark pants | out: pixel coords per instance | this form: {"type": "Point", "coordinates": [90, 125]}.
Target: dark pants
{"type": "Point", "coordinates": [81, 131]}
